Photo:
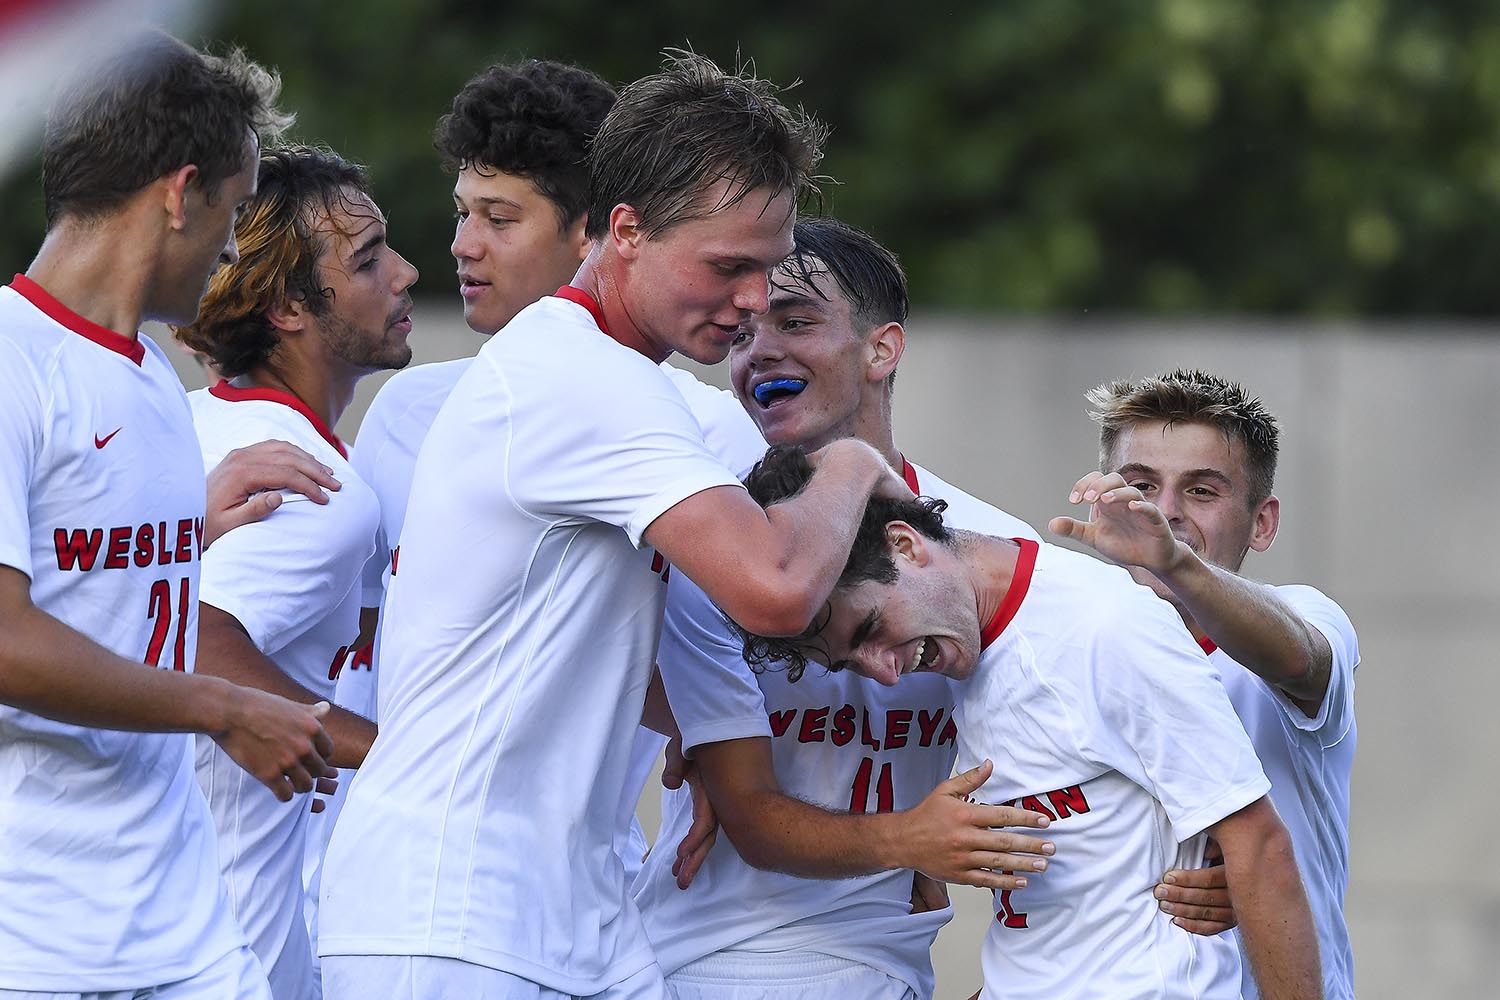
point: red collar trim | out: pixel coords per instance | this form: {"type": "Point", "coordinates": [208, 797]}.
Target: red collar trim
{"type": "Point", "coordinates": [1020, 582]}
{"type": "Point", "coordinates": [582, 298]}
{"type": "Point", "coordinates": [1208, 645]}
{"type": "Point", "coordinates": [234, 394]}
{"type": "Point", "coordinates": [130, 347]}
{"type": "Point", "coordinates": [910, 475]}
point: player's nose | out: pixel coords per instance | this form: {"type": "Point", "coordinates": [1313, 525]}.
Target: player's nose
{"type": "Point", "coordinates": [754, 295]}
{"type": "Point", "coordinates": [465, 245]}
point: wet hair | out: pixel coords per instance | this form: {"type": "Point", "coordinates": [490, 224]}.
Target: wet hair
{"type": "Point", "coordinates": [279, 253]}
{"type": "Point", "coordinates": [673, 135]}
{"type": "Point", "coordinates": [781, 475]}
{"type": "Point", "coordinates": [534, 119]}
{"type": "Point", "coordinates": [868, 274]}
{"type": "Point", "coordinates": [1191, 396]}
{"type": "Point", "coordinates": [147, 111]}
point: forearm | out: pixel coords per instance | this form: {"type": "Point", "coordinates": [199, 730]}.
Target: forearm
{"type": "Point", "coordinates": [225, 651]}
{"type": "Point", "coordinates": [775, 832]}
{"type": "Point", "coordinates": [54, 671]}
{"type": "Point", "coordinates": [656, 713]}
{"type": "Point", "coordinates": [1275, 921]}
{"type": "Point", "coordinates": [1252, 625]}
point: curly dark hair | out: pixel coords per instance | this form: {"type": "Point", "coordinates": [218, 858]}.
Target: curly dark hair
{"type": "Point", "coordinates": [534, 119]}
{"type": "Point", "coordinates": [781, 475]}
{"type": "Point", "coordinates": [672, 135]}
{"type": "Point", "coordinates": [152, 108]}
{"type": "Point", "coordinates": [279, 253]}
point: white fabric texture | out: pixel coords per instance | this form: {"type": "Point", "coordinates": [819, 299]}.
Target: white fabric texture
{"type": "Point", "coordinates": [107, 863]}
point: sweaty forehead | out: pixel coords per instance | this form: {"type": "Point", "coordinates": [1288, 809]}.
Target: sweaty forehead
{"type": "Point", "coordinates": [1178, 447]}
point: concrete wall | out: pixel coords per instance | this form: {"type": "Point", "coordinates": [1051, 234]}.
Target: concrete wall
{"type": "Point", "coordinates": [1389, 481]}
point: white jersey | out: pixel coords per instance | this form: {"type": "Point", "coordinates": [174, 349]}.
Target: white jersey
{"type": "Point", "coordinates": [1100, 711]}
{"type": "Point", "coordinates": [839, 741]}
{"type": "Point", "coordinates": [291, 581]}
{"type": "Point", "coordinates": [1308, 761]}
{"type": "Point", "coordinates": [108, 878]}
{"type": "Point", "coordinates": [482, 824]}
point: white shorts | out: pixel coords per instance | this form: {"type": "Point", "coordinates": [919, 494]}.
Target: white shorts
{"type": "Point", "coordinates": [746, 975]}
{"type": "Point", "coordinates": [236, 976]}
{"type": "Point", "coordinates": [425, 977]}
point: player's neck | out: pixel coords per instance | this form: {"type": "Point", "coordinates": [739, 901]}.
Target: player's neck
{"type": "Point", "coordinates": [326, 396]}
{"type": "Point", "coordinates": [597, 279]}
{"type": "Point", "coordinates": [98, 271]}
{"type": "Point", "coordinates": [991, 563]}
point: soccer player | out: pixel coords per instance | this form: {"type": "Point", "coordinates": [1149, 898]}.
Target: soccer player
{"type": "Point", "coordinates": [1097, 707]}
{"type": "Point", "coordinates": [1190, 462]}
{"type": "Point", "coordinates": [559, 456]}
{"type": "Point", "coordinates": [107, 863]}
{"type": "Point", "coordinates": [317, 300]}
{"type": "Point", "coordinates": [823, 784]}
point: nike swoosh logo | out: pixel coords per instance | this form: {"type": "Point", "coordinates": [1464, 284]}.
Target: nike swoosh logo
{"type": "Point", "coordinates": [100, 442]}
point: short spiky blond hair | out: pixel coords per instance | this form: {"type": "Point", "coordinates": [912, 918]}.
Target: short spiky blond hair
{"type": "Point", "coordinates": [1193, 396]}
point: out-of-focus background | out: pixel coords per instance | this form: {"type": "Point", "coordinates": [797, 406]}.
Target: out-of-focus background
{"type": "Point", "coordinates": [1299, 194]}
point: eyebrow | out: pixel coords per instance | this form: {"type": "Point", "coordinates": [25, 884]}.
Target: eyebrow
{"type": "Point", "coordinates": [796, 301]}
{"type": "Point", "coordinates": [1137, 468]}
{"type": "Point", "coordinates": [374, 240]}
{"type": "Point", "coordinates": [491, 200]}
{"type": "Point", "coordinates": [863, 629]}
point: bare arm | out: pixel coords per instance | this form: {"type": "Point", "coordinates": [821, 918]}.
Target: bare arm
{"type": "Point", "coordinates": [50, 670]}
{"type": "Point", "coordinates": [772, 569]}
{"type": "Point", "coordinates": [1276, 924]}
{"type": "Point", "coordinates": [1247, 620]}
{"type": "Point", "coordinates": [225, 650]}
{"type": "Point", "coordinates": [944, 836]}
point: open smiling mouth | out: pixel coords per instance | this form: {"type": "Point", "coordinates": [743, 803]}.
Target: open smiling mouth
{"type": "Point", "coordinates": [769, 393]}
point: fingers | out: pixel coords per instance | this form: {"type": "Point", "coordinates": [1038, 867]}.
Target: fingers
{"type": "Point", "coordinates": [962, 785]}
{"type": "Point", "coordinates": [1215, 878]}
{"type": "Point", "coordinates": [984, 878]}
{"type": "Point", "coordinates": [301, 779]}
{"type": "Point", "coordinates": [323, 788]}
{"type": "Point", "coordinates": [1068, 527]}
{"type": "Point", "coordinates": [1205, 928]}
{"type": "Point", "coordinates": [675, 766]}
{"type": "Point", "coordinates": [1011, 816]}
{"type": "Point", "coordinates": [1015, 863]}
{"type": "Point", "coordinates": [700, 838]}
{"type": "Point", "coordinates": [1092, 486]}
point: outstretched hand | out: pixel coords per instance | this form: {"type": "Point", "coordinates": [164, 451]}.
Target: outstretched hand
{"type": "Point", "coordinates": [243, 488]}
{"type": "Point", "coordinates": [953, 839]}
{"type": "Point", "coordinates": [1123, 526]}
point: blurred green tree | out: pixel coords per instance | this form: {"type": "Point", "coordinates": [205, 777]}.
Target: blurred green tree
{"type": "Point", "coordinates": [1309, 157]}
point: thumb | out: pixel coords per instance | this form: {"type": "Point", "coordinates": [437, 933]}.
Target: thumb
{"type": "Point", "coordinates": [1067, 527]}
{"type": "Point", "coordinates": [962, 785]}
{"type": "Point", "coordinates": [321, 709]}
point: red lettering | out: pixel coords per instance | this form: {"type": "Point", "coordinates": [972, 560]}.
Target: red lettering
{"type": "Point", "coordinates": [159, 608]}
{"type": "Point", "coordinates": [78, 548]}
{"type": "Point", "coordinates": [1008, 915]}
{"type": "Point", "coordinates": [657, 562]}
{"type": "Point", "coordinates": [843, 726]}
{"type": "Point", "coordinates": [782, 721]}
{"type": "Point", "coordinates": [813, 722]}
{"type": "Point", "coordinates": [865, 736]}
{"type": "Point", "coordinates": [949, 734]}
{"type": "Point", "coordinates": [395, 558]}
{"type": "Point", "coordinates": [163, 544]}
{"type": "Point", "coordinates": [1033, 804]}
{"type": "Point", "coordinates": [859, 793]}
{"type": "Point", "coordinates": [179, 645]}
{"type": "Point", "coordinates": [184, 552]}
{"type": "Point", "coordinates": [364, 657]}
{"type": "Point", "coordinates": [1067, 801]}
{"type": "Point", "coordinates": [145, 544]}
{"type": "Point", "coordinates": [897, 725]}
{"type": "Point", "coordinates": [198, 535]}
{"type": "Point", "coordinates": [338, 663]}
{"type": "Point", "coordinates": [928, 724]}
{"type": "Point", "coordinates": [119, 544]}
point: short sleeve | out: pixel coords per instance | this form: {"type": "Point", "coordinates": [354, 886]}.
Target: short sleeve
{"type": "Point", "coordinates": [712, 691]}
{"type": "Point", "coordinates": [727, 428]}
{"type": "Point", "coordinates": [281, 576]}
{"type": "Point", "coordinates": [21, 422]}
{"type": "Point", "coordinates": [607, 438]}
{"type": "Point", "coordinates": [1166, 721]}
{"type": "Point", "coordinates": [1336, 713]}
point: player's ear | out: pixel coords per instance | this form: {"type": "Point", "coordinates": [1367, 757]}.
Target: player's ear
{"type": "Point", "coordinates": [573, 236]}
{"type": "Point", "coordinates": [288, 314]}
{"type": "Point", "coordinates": [175, 195]}
{"type": "Point", "coordinates": [907, 543]}
{"type": "Point", "coordinates": [886, 345]}
{"type": "Point", "coordinates": [1267, 520]}
{"type": "Point", "coordinates": [625, 232]}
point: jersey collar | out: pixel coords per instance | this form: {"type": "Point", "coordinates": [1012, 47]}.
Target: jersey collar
{"type": "Point", "coordinates": [1020, 582]}
{"type": "Point", "coordinates": [909, 473]}
{"type": "Point", "coordinates": [579, 297]}
{"type": "Point", "coordinates": [234, 394]}
{"type": "Point", "coordinates": [1208, 645]}
{"type": "Point", "coordinates": [130, 347]}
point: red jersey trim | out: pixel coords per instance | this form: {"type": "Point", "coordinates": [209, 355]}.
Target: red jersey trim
{"type": "Point", "coordinates": [582, 298]}
{"type": "Point", "coordinates": [1208, 645]}
{"type": "Point", "coordinates": [910, 475]}
{"type": "Point", "coordinates": [129, 347]}
{"type": "Point", "coordinates": [234, 394]}
{"type": "Point", "coordinates": [1020, 583]}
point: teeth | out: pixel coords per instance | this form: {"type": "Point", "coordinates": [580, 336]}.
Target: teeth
{"type": "Point", "coordinates": [916, 661]}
